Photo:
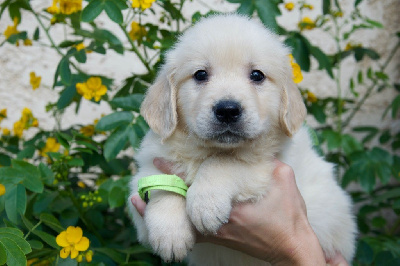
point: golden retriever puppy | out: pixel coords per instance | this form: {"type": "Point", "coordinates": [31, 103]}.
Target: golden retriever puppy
{"type": "Point", "coordinates": [223, 106]}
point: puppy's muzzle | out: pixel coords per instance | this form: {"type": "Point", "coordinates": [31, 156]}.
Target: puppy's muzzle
{"type": "Point", "coordinates": [227, 111]}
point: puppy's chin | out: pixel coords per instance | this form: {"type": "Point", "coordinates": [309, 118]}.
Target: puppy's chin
{"type": "Point", "coordinates": [228, 138]}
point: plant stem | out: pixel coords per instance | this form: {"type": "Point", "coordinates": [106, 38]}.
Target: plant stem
{"type": "Point", "coordinates": [136, 51]}
{"type": "Point", "coordinates": [33, 229]}
{"type": "Point", "coordinates": [82, 216]}
{"type": "Point", "coordinates": [394, 228]}
{"type": "Point", "coordinates": [370, 88]}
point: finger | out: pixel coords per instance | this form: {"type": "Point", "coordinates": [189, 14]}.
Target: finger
{"type": "Point", "coordinates": [167, 167]}
{"type": "Point", "coordinates": [139, 204]}
{"type": "Point", "coordinates": [338, 260]}
{"type": "Point", "coordinates": [163, 165]}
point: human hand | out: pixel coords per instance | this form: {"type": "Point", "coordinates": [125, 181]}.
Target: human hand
{"type": "Point", "coordinates": [275, 229]}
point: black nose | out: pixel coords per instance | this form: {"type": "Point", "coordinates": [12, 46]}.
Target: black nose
{"type": "Point", "coordinates": [227, 111]}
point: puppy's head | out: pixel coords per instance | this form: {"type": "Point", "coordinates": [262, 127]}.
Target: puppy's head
{"type": "Point", "coordinates": [228, 80]}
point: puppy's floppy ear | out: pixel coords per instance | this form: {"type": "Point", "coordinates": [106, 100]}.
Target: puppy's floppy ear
{"type": "Point", "coordinates": [159, 105]}
{"type": "Point", "coordinates": [293, 111]}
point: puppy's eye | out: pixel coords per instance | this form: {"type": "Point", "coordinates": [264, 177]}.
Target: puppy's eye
{"type": "Point", "coordinates": [201, 75]}
{"type": "Point", "coordinates": [257, 75]}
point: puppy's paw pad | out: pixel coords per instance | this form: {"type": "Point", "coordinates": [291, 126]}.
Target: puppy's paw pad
{"type": "Point", "coordinates": [208, 213]}
{"type": "Point", "coordinates": [172, 246]}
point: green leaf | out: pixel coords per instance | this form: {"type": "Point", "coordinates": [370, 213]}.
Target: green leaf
{"type": "Point", "coordinates": [36, 34]}
{"type": "Point", "coordinates": [15, 202]}
{"type": "Point", "coordinates": [66, 96]}
{"type": "Point", "coordinates": [350, 144]}
{"type": "Point", "coordinates": [395, 106]}
{"type": "Point", "coordinates": [385, 258]}
{"type": "Point", "coordinates": [268, 11]}
{"type": "Point", "coordinates": [374, 23]}
{"type": "Point", "coordinates": [326, 6]}
{"type": "Point", "coordinates": [246, 8]}
{"type": "Point", "coordinates": [113, 12]}
{"type": "Point", "coordinates": [333, 139]}
{"type": "Point", "coordinates": [15, 255]}
{"type": "Point", "coordinates": [128, 103]}
{"type": "Point", "coordinates": [92, 10]}
{"type": "Point", "coordinates": [3, 255]}
{"type": "Point", "coordinates": [46, 174]}
{"type": "Point", "coordinates": [116, 198]}
{"type": "Point", "coordinates": [51, 222]}
{"type": "Point", "coordinates": [133, 138]}
{"type": "Point", "coordinates": [114, 120]}
{"type": "Point", "coordinates": [300, 50]}
{"type": "Point", "coordinates": [31, 175]}
{"type": "Point", "coordinates": [27, 152]}
{"type": "Point", "coordinates": [80, 56]}
{"type": "Point", "coordinates": [65, 71]}
{"type": "Point", "coordinates": [10, 175]}
{"type": "Point", "coordinates": [360, 78]}
{"type": "Point", "coordinates": [357, 2]}
{"type": "Point", "coordinates": [16, 235]}
{"type": "Point", "coordinates": [13, 10]}
{"type": "Point", "coordinates": [322, 58]}
{"type": "Point", "coordinates": [75, 162]}
{"type": "Point", "coordinates": [116, 142]}
{"type": "Point", "coordinates": [35, 244]}
{"type": "Point", "coordinates": [49, 239]}
{"type": "Point", "coordinates": [113, 254]}
{"type": "Point", "coordinates": [364, 253]}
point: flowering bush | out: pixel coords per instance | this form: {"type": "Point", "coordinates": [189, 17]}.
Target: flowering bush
{"type": "Point", "coordinates": [62, 192]}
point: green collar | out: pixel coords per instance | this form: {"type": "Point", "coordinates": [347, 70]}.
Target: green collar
{"type": "Point", "coordinates": [171, 183]}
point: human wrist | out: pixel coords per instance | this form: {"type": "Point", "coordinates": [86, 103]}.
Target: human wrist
{"type": "Point", "coordinates": [303, 248]}
{"type": "Point", "coordinates": [308, 251]}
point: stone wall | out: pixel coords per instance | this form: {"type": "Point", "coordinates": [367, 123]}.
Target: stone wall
{"type": "Point", "coordinates": [17, 62]}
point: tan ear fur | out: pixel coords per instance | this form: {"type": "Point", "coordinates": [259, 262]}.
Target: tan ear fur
{"type": "Point", "coordinates": [159, 106]}
{"type": "Point", "coordinates": [293, 111]}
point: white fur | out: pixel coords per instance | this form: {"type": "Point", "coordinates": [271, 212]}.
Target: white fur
{"type": "Point", "coordinates": [179, 111]}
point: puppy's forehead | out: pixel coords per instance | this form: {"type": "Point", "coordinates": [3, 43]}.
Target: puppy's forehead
{"type": "Point", "coordinates": [229, 39]}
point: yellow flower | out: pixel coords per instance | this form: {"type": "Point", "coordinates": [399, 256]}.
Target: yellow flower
{"type": "Point", "coordinates": [3, 114]}
{"type": "Point", "coordinates": [143, 4]}
{"type": "Point", "coordinates": [28, 42]}
{"type": "Point", "coordinates": [338, 14]}
{"type": "Point", "coordinates": [51, 146]}
{"type": "Point", "coordinates": [35, 123]}
{"type": "Point", "coordinates": [306, 23]}
{"type": "Point", "coordinates": [89, 256]}
{"type": "Point", "coordinates": [137, 32]}
{"type": "Point", "coordinates": [80, 46]}
{"type": "Point", "coordinates": [92, 88]}
{"type": "Point", "coordinates": [289, 6]}
{"type": "Point", "coordinates": [350, 46]}
{"type": "Point", "coordinates": [297, 76]}
{"type": "Point", "coordinates": [66, 7]}
{"type": "Point", "coordinates": [88, 131]}
{"type": "Point", "coordinates": [18, 129]}
{"type": "Point", "coordinates": [311, 7]}
{"type": "Point", "coordinates": [6, 131]}
{"type": "Point", "coordinates": [81, 184]}
{"type": "Point", "coordinates": [11, 29]}
{"type": "Point", "coordinates": [35, 80]}
{"type": "Point", "coordinates": [54, 9]}
{"type": "Point", "coordinates": [2, 190]}
{"type": "Point", "coordinates": [72, 241]}
{"type": "Point", "coordinates": [311, 97]}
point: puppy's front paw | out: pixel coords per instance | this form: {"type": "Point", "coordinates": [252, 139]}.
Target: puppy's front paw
{"type": "Point", "coordinates": [170, 232]}
{"type": "Point", "coordinates": [208, 210]}
{"type": "Point", "coordinates": [171, 244]}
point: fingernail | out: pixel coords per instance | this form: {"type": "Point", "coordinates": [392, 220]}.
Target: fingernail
{"type": "Point", "coordinates": [157, 162]}
{"type": "Point", "coordinates": [134, 202]}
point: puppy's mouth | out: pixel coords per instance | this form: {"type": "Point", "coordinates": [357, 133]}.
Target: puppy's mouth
{"type": "Point", "coordinates": [228, 136]}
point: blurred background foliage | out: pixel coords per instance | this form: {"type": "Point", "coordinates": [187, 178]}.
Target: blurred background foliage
{"type": "Point", "coordinates": [73, 183]}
